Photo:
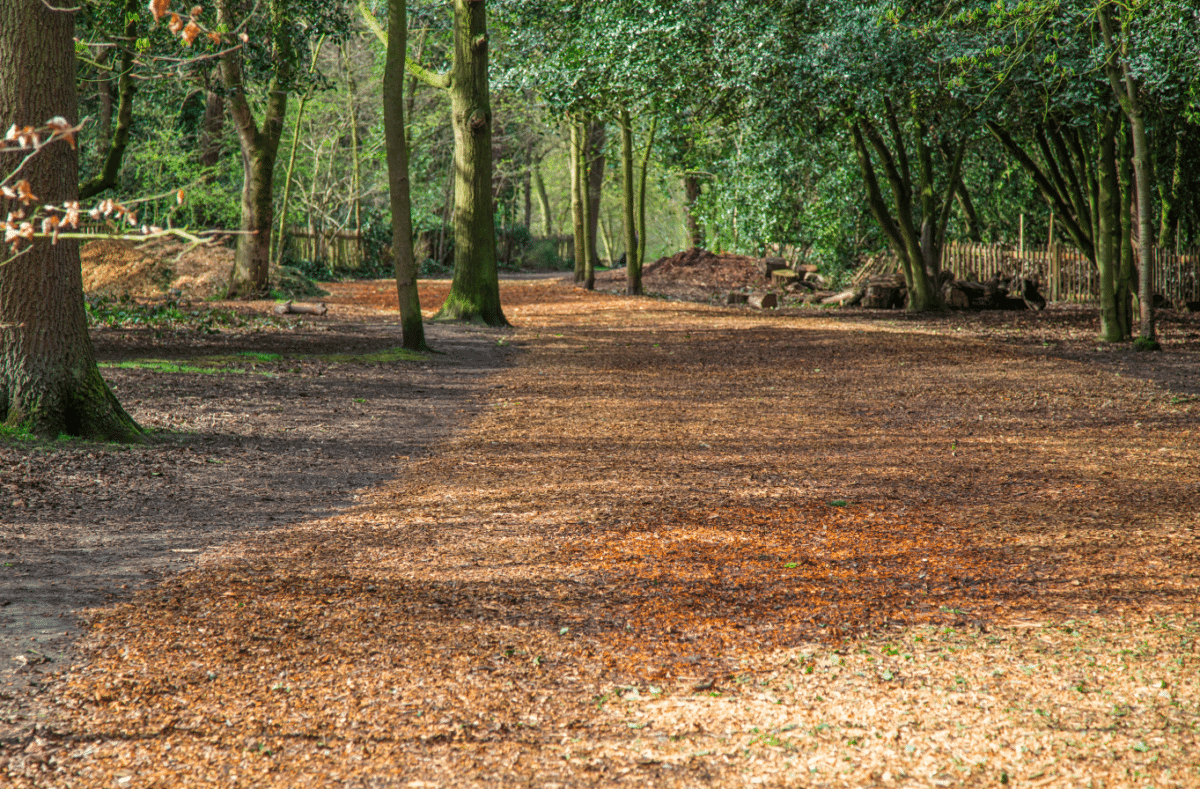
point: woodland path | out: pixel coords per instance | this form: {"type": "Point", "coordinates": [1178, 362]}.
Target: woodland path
{"type": "Point", "coordinates": [678, 545]}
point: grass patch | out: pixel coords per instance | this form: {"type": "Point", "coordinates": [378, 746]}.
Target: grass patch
{"type": "Point", "coordinates": [201, 366]}
{"type": "Point", "coordinates": [375, 357]}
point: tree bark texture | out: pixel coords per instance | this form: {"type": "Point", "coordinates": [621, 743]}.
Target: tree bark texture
{"type": "Point", "coordinates": [412, 325]}
{"type": "Point", "coordinates": [260, 148]}
{"type": "Point", "coordinates": [475, 291]}
{"type": "Point", "coordinates": [49, 382]}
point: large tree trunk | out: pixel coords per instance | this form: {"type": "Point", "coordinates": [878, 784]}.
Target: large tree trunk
{"type": "Point", "coordinates": [49, 382]}
{"type": "Point", "coordinates": [260, 148]}
{"type": "Point", "coordinates": [475, 290]}
{"type": "Point", "coordinates": [413, 327]}
{"type": "Point", "coordinates": [211, 131]}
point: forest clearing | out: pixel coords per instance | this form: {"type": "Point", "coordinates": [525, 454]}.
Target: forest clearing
{"type": "Point", "coordinates": [628, 540]}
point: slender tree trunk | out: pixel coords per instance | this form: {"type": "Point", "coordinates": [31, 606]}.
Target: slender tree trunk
{"type": "Point", "coordinates": [49, 382]}
{"type": "Point", "coordinates": [1108, 230]}
{"type": "Point", "coordinates": [633, 271]}
{"type": "Point", "coordinates": [643, 176]}
{"type": "Point", "coordinates": [543, 200]}
{"type": "Point", "coordinates": [589, 241]}
{"type": "Point", "coordinates": [108, 177]}
{"type": "Point", "coordinates": [355, 152]}
{"type": "Point", "coordinates": [1169, 194]}
{"type": "Point", "coordinates": [260, 146]}
{"type": "Point", "coordinates": [691, 193]}
{"type": "Point", "coordinates": [577, 192]}
{"type": "Point", "coordinates": [1126, 277]}
{"type": "Point", "coordinates": [597, 132]}
{"type": "Point", "coordinates": [413, 327]}
{"type": "Point", "coordinates": [475, 291]}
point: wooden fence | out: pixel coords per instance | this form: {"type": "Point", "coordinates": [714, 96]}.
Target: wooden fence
{"type": "Point", "coordinates": [337, 249]}
{"type": "Point", "coordinates": [1063, 272]}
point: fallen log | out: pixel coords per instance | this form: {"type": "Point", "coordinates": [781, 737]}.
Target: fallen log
{"type": "Point", "coordinates": [841, 298]}
{"type": "Point", "coordinates": [763, 301]}
{"type": "Point", "coordinates": [737, 298]}
{"type": "Point", "coordinates": [292, 308]}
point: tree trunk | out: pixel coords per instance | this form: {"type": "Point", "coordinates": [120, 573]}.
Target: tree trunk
{"type": "Point", "coordinates": [633, 271]}
{"type": "Point", "coordinates": [1125, 276]}
{"type": "Point", "coordinates": [260, 147]}
{"type": "Point", "coordinates": [597, 131]}
{"type": "Point", "coordinates": [475, 290]}
{"type": "Point", "coordinates": [1128, 93]}
{"type": "Point", "coordinates": [691, 192]}
{"type": "Point", "coordinates": [539, 184]}
{"type": "Point", "coordinates": [1108, 230]}
{"type": "Point", "coordinates": [412, 325]}
{"type": "Point", "coordinates": [49, 382]}
{"type": "Point", "coordinates": [577, 212]}
{"type": "Point", "coordinates": [1168, 194]}
{"type": "Point", "coordinates": [642, 178]}
{"type": "Point", "coordinates": [107, 178]}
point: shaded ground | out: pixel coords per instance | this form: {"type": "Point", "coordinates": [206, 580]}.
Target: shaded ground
{"type": "Point", "coordinates": [680, 545]}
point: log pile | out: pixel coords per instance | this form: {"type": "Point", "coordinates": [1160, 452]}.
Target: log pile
{"type": "Point", "coordinates": [890, 292]}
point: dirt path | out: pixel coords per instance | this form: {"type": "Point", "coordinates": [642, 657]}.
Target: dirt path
{"type": "Point", "coordinates": [681, 546]}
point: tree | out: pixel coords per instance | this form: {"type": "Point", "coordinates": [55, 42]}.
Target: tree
{"type": "Point", "coordinates": [49, 382]}
{"type": "Point", "coordinates": [413, 327]}
{"type": "Point", "coordinates": [475, 290]}
{"type": "Point", "coordinates": [290, 25]}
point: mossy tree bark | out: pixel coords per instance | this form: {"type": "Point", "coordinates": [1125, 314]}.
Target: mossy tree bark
{"type": "Point", "coordinates": [260, 149]}
{"type": "Point", "coordinates": [49, 382]}
{"type": "Point", "coordinates": [475, 291]}
{"type": "Point", "coordinates": [413, 327]}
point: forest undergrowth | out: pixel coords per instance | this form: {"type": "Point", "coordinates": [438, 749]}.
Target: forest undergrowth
{"type": "Point", "coordinates": [680, 545]}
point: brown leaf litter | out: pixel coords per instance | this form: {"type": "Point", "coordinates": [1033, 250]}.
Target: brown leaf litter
{"type": "Point", "coordinates": [680, 545]}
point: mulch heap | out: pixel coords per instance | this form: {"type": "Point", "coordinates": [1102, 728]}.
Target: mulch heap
{"type": "Point", "coordinates": [693, 275]}
{"type": "Point", "coordinates": [685, 546]}
{"type": "Point", "coordinates": [155, 269]}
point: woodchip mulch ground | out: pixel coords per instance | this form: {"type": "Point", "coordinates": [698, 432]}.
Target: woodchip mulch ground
{"type": "Point", "coordinates": [678, 546]}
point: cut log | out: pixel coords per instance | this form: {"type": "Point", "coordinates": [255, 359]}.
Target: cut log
{"type": "Point", "coordinates": [884, 297]}
{"type": "Point", "coordinates": [768, 266]}
{"type": "Point", "coordinates": [805, 268]}
{"type": "Point", "coordinates": [293, 308]}
{"type": "Point", "coordinates": [956, 298]}
{"type": "Point", "coordinates": [763, 301]}
{"type": "Point", "coordinates": [737, 298]}
{"type": "Point", "coordinates": [840, 298]}
{"type": "Point", "coordinates": [816, 279]}
{"type": "Point", "coordinates": [783, 277]}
